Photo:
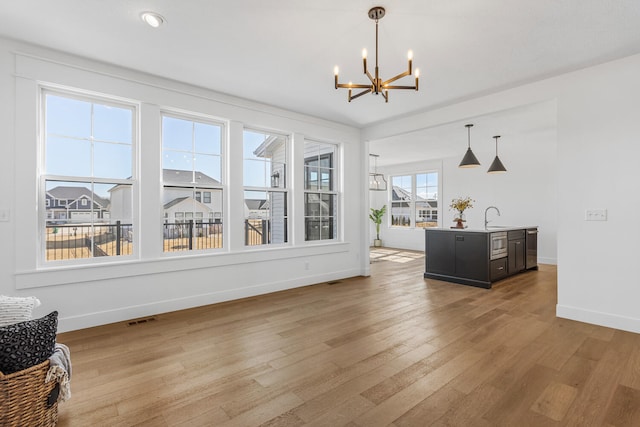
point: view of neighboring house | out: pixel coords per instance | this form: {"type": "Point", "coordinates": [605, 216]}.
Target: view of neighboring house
{"type": "Point", "coordinates": [256, 208]}
{"type": "Point", "coordinates": [401, 205]}
{"type": "Point", "coordinates": [181, 202]}
{"type": "Point", "coordinates": [66, 203]}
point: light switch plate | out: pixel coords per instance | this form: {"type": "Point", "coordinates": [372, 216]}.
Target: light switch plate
{"type": "Point", "coordinates": [4, 215]}
{"type": "Point", "coordinates": [595, 215]}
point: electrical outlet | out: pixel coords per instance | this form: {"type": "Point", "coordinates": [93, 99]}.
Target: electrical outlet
{"type": "Point", "coordinates": [595, 215]}
{"type": "Point", "coordinates": [4, 215]}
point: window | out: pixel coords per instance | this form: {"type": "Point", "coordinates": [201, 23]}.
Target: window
{"type": "Point", "coordinates": [414, 200]}
{"type": "Point", "coordinates": [320, 195]}
{"type": "Point", "coordinates": [206, 197]}
{"type": "Point", "coordinates": [265, 188]}
{"type": "Point", "coordinates": [426, 200]}
{"type": "Point", "coordinates": [191, 164]}
{"type": "Point", "coordinates": [401, 197]}
{"type": "Point", "coordinates": [89, 147]}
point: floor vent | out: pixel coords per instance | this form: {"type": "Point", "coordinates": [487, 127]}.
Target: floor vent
{"type": "Point", "coordinates": [141, 321]}
{"type": "Point", "coordinates": [334, 282]}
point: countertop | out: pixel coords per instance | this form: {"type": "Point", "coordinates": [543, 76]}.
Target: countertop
{"type": "Point", "coordinates": [489, 229]}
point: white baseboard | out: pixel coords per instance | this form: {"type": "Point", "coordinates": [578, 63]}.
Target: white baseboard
{"type": "Point", "coordinates": [609, 320]}
{"type": "Point", "coordinates": [552, 261]}
{"type": "Point", "coordinates": [72, 323]}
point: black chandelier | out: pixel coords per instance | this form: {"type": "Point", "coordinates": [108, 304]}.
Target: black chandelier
{"type": "Point", "coordinates": [377, 86]}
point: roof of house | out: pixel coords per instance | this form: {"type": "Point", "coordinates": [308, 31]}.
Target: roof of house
{"type": "Point", "coordinates": [399, 194]}
{"type": "Point", "coordinates": [174, 202]}
{"type": "Point", "coordinates": [255, 204]}
{"type": "Point", "coordinates": [74, 193]}
{"type": "Point", "coordinates": [176, 176]}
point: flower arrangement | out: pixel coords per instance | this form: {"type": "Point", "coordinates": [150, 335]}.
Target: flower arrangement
{"type": "Point", "coordinates": [461, 204]}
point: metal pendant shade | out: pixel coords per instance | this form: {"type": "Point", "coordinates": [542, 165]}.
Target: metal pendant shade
{"type": "Point", "coordinates": [376, 180]}
{"type": "Point", "coordinates": [469, 160]}
{"type": "Point", "coordinates": [497, 166]}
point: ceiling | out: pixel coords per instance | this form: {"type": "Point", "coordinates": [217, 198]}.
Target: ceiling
{"type": "Point", "coordinates": [451, 139]}
{"type": "Point", "coordinates": [282, 53]}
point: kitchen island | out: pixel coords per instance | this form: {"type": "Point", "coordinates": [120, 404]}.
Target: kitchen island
{"type": "Point", "coordinates": [479, 257]}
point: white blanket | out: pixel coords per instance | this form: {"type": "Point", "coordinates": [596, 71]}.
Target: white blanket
{"type": "Point", "coordinates": [60, 370]}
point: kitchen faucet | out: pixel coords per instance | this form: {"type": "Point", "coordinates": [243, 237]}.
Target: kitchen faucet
{"type": "Point", "coordinates": [485, 215]}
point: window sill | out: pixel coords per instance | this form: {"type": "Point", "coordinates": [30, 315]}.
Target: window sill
{"type": "Point", "coordinates": [89, 273]}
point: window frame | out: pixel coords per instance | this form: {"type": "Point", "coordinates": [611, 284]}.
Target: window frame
{"type": "Point", "coordinates": [333, 192]}
{"type": "Point", "coordinates": [222, 187]}
{"type": "Point", "coordinates": [269, 189]}
{"type": "Point", "coordinates": [413, 202]}
{"type": "Point", "coordinates": [43, 216]}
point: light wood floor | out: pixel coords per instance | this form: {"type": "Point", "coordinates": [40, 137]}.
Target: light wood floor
{"type": "Point", "coordinates": [391, 349]}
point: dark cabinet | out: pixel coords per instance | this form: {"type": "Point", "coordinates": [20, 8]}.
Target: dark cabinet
{"type": "Point", "coordinates": [440, 254]}
{"type": "Point", "coordinates": [498, 269]}
{"type": "Point", "coordinates": [517, 251]}
{"type": "Point", "coordinates": [458, 257]}
{"type": "Point", "coordinates": [471, 256]}
{"type": "Point", "coordinates": [532, 248]}
{"type": "Point", "coordinates": [465, 256]}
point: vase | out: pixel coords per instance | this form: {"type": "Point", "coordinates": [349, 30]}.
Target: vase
{"type": "Point", "coordinates": [459, 220]}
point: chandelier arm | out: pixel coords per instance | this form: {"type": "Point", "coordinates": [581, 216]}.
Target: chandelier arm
{"type": "Point", "coordinates": [373, 82]}
{"type": "Point", "coordinates": [399, 87]}
{"type": "Point", "coordinates": [358, 95]}
{"type": "Point", "coordinates": [393, 79]}
{"type": "Point", "coordinates": [385, 94]}
{"type": "Point", "coordinates": [352, 86]}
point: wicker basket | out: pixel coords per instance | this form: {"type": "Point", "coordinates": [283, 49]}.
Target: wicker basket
{"type": "Point", "coordinates": [26, 400]}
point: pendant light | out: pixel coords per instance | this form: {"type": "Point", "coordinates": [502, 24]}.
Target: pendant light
{"type": "Point", "coordinates": [469, 160]}
{"type": "Point", "coordinates": [497, 166]}
{"type": "Point", "coordinates": [376, 180]}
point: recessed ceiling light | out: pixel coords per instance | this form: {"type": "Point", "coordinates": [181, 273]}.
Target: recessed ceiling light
{"type": "Point", "coordinates": [152, 19]}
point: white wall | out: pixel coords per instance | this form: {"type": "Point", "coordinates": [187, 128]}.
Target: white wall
{"type": "Point", "coordinates": [597, 148]}
{"type": "Point", "coordinates": [599, 144]}
{"type": "Point", "coordinates": [156, 282]}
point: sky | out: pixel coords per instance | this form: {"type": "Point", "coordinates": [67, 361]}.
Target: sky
{"type": "Point", "coordinates": [86, 139]}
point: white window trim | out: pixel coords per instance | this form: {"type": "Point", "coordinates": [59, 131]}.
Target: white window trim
{"type": "Point", "coordinates": [86, 96]}
{"type": "Point", "coordinates": [412, 202]}
{"type": "Point", "coordinates": [336, 191]}
{"type": "Point", "coordinates": [285, 190]}
{"type": "Point", "coordinates": [223, 186]}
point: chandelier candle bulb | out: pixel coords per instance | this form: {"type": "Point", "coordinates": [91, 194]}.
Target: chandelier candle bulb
{"type": "Point", "coordinates": [417, 77]}
{"type": "Point", "coordinates": [364, 60]}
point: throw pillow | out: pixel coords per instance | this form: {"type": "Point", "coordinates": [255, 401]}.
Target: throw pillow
{"type": "Point", "coordinates": [25, 344]}
{"type": "Point", "coordinates": [16, 309]}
